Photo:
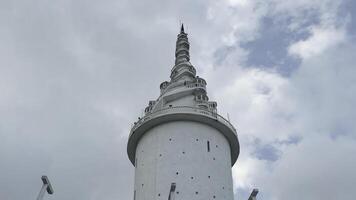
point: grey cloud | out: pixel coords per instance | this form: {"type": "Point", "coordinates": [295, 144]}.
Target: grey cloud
{"type": "Point", "coordinates": [75, 74]}
{"type": "Point", "coordinates": [270, 50]}
{"type": "Point", "coordinates": [267, 152]}
{"type": "Point", "coordinates": [295, 139]}
{"type": "Point", "coordinates": [272, 151]}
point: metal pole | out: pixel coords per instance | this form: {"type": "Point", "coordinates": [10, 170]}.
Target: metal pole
{"type": "Point", "coordinates": [42, 192]}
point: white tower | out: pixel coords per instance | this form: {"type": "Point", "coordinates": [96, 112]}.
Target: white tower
{"type": "Point", "coordinates": [181, 148]}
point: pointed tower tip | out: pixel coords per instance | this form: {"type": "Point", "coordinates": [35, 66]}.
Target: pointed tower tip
{"type": "Point", "coordinates": [182, 28]}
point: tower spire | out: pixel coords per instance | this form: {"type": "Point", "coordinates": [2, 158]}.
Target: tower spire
{"type": "Point", "coordinates": [182, 47]}
{"type": "Point", "coordinates": [182, 67]}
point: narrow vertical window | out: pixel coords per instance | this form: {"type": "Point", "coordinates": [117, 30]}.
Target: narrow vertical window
{"type": "Point", "coordinates": [208, 145]}
{"type": "Point", "coordinates": [135, 195]}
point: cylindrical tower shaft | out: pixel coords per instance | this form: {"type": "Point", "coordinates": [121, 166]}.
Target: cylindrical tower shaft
{"type": "Point", "coordinates": [194, 156]}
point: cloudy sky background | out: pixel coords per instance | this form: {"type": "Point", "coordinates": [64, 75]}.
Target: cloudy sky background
{"type": "Point", "coordinates": [74, 76]}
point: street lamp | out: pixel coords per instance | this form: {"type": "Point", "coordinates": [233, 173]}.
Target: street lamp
{"type": "Point", "coordinates": [45, 187]}
{"type": "Point", "coordinates": [253, 194]}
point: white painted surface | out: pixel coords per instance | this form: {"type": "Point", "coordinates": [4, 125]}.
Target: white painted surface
{"type": "Point", "coordinates": [160, 156]}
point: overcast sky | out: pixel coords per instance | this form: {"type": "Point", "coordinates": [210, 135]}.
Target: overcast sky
{"type": "Point", "coordinates": [74, 76]}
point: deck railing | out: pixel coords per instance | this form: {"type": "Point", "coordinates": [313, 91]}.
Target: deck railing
{"type": "Point", "coordinates": [182, 109]}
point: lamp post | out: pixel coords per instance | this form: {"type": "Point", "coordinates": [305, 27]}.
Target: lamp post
{"type": "Point", "coordinates": [253, 194]}
{"type": "Point", "coordinates": [171, 191]}
{"type": "Point", "coordinates": [45, 187]}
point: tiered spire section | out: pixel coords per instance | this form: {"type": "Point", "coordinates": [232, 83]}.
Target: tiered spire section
{"type": "Point", "coordinates": [185, 88]}
{"type": "Point", "coordinates": [182, 47]}
{"type": "Point", "coordinates": [182, 69]}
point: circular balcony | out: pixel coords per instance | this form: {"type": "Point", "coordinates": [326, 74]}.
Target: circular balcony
{"type": "Point", "coordinates": [189, 85]}
{"type": "Point", "coordinates": [183, 113]}
{"type": "Point", "coordinates": [196, 85]}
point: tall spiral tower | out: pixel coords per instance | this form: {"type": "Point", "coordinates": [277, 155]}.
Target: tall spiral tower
{"type": "Point", "coordinates": [182, 148]}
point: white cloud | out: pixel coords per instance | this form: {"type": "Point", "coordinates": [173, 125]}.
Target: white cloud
{"type": "Point", "coordinates": [317, 104]}
{"type": "Point", "coordinates": [320, 40]}
{"type": "Point", "coordinates": [313, 104]}
{"type": "Point", "coordinates": [239, 20]}
{"type": "Point", "coordinates": [252, 98]}
{"type": "Point", "coordinates": [318, 167]}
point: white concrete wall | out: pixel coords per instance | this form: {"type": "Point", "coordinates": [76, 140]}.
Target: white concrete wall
{"type": "Point", "coordinates": [183, 101]}
{"type": "Point", "coordinates": [181, 147]}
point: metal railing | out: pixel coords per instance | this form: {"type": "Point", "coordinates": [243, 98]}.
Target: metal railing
{"type": "Point", "coordinates": [193, 85]}
{"type": "Point", "coordinates": [188, 85]}
{"type": "Point", "coordinates": [182, 109]}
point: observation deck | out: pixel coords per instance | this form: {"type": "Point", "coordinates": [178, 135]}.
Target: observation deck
{"type": "Point", "coordinates": [183, 113]}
